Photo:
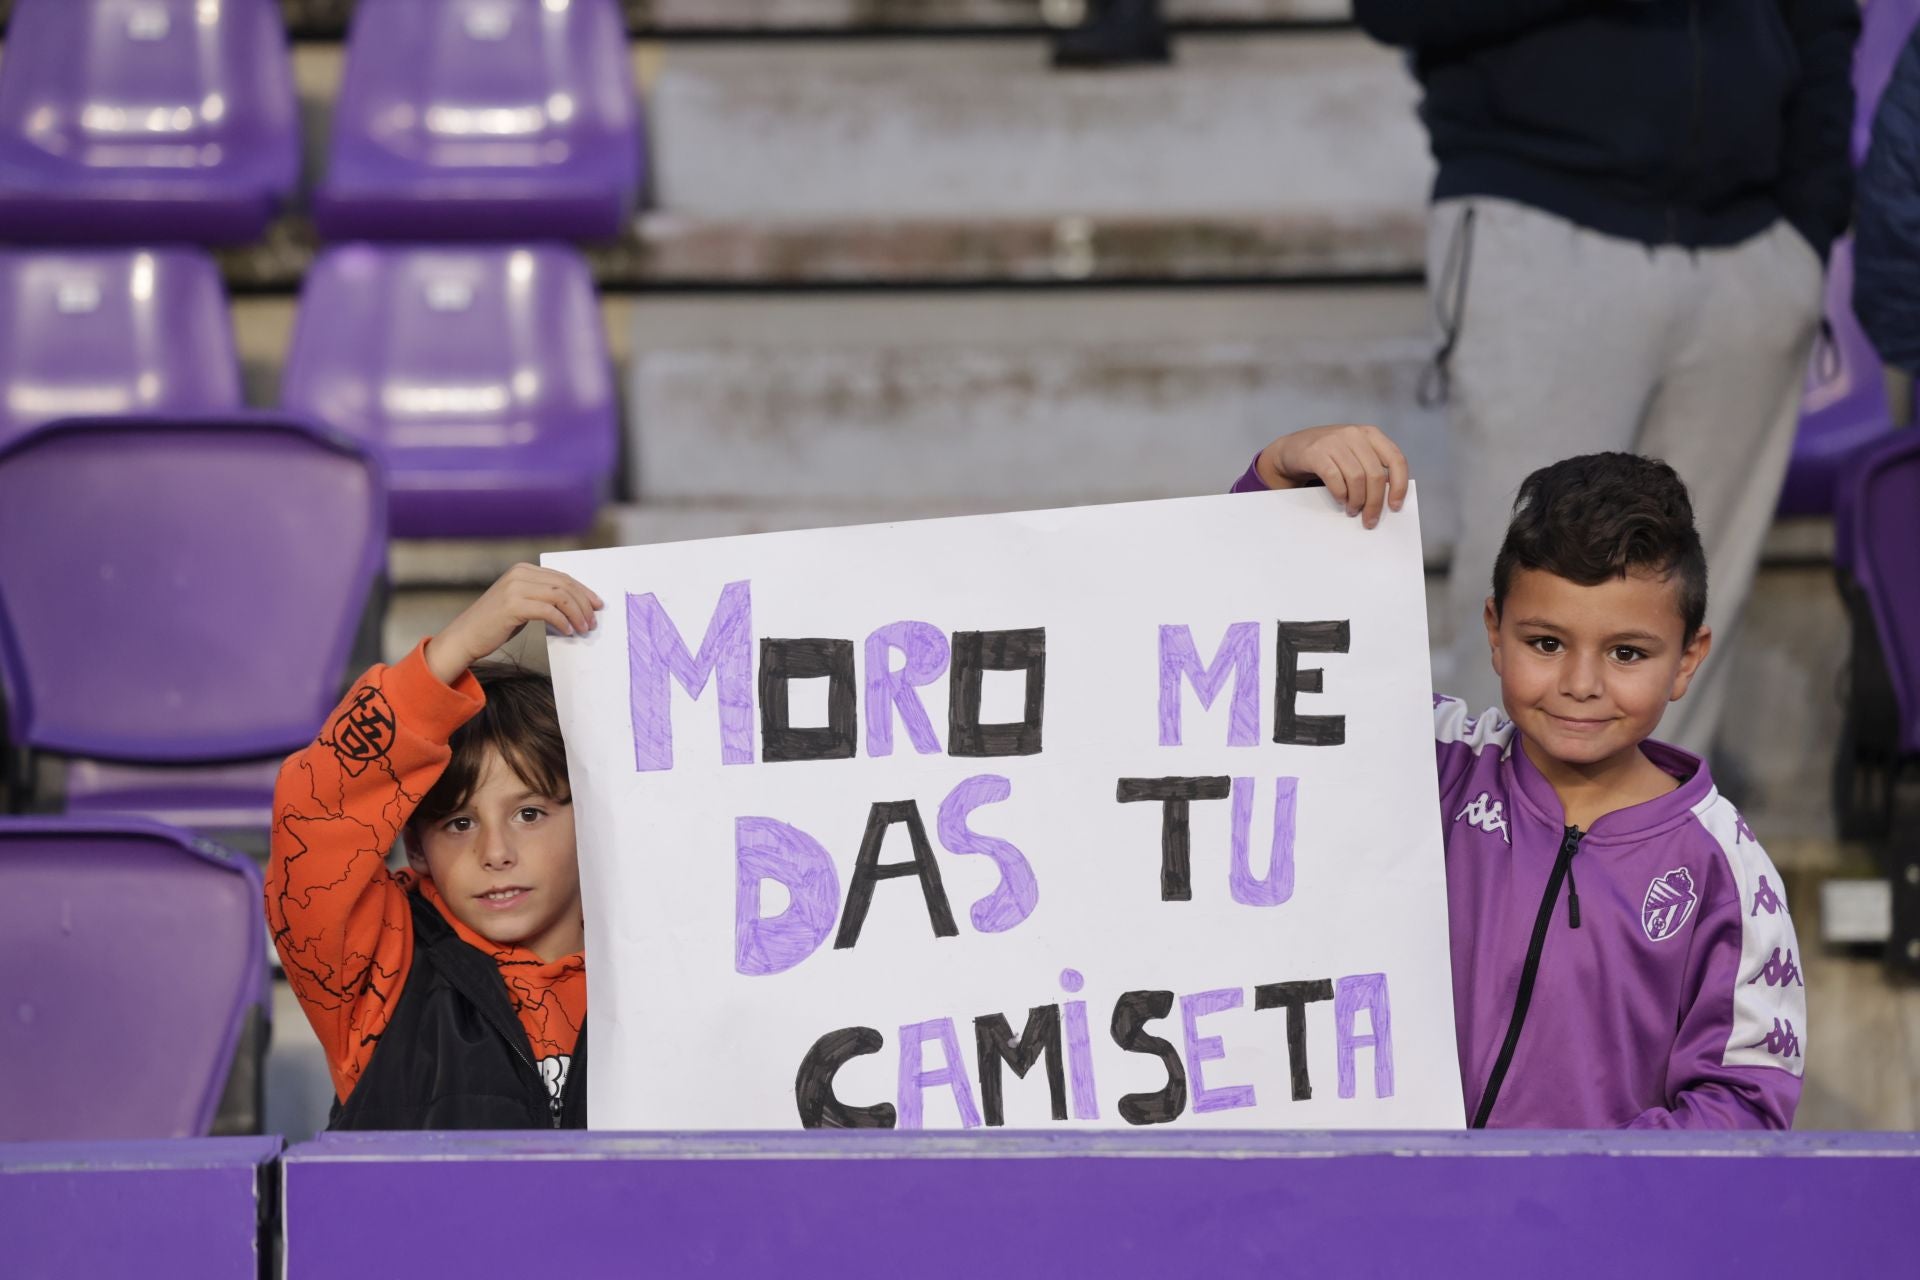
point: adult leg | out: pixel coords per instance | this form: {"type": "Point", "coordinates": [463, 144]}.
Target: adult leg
{"type": "Point", "coordinates": [1554, 349]}
{"type": "Point", "coordinates": [1724, 416]}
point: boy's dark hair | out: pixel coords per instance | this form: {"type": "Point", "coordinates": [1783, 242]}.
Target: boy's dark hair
{"type": "Point", "coordinates": [1595, 517]}
{"type": "Point", "coordinates": [520, 723]}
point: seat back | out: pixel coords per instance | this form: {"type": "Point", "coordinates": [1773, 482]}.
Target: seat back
{"type": "Point", "coordinates": [149, 105]}
{"type": "Point", "coordinates": [130, 958]}
{"type": "Point", "coordinates": [112, 331]}
{"type": "Point", "coordinates": [1843, 406]}
{"type": "Point", "coordinates": [181, 591]}
{"type": "Point", "coordinates": [480, 374]}
{"type": "Point", "coordinates": [1881, 498]}
{"type": "Point", "coordinates": [485, 119]}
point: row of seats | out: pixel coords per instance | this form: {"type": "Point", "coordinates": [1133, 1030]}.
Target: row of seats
{"type": "Point", "coordinates": [477, 374]}
{"type": "Point", "coordinates": [176, 120]}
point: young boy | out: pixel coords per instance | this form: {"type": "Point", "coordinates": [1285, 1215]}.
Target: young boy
{"type": "Point", "coordinates": [1660, 986]}
{"type": "Point", "coordinates": [453, 996]}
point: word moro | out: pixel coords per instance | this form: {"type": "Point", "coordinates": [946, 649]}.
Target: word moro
{"type": "Point", "coordinates": [658, 657]}
{"type": "Point", "coordinates": [1056, 1035]}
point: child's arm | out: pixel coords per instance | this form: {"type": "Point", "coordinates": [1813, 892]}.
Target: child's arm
{"type": "Point", "coordinates": [1363, 469]}
{"type": "Point", "coordinates": [1737, 1060]}
{"type": "Point", "coordinates": [339, 920]}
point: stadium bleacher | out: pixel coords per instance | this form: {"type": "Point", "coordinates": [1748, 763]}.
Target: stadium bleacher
{"type": "Point", "coordinates": [859, 260]}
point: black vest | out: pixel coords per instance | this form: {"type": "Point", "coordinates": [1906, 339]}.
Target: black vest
{"type": "Point", "coordinates": [454, 1055]}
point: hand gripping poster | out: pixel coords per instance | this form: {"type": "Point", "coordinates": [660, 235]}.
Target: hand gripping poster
{"type": "Point", "coordinates": [1105, 817]}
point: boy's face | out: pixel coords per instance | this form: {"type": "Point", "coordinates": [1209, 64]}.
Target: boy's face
{"type": "Point", "coordinates": [1587, 671]}
{"type": "Point", "coordinates": [505, 863]}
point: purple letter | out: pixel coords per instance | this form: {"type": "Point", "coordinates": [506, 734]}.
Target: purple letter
{"type": "Point", "coordinates": [1350, 994]}
{"type": "Point", "coordinates": [926, 650]}
{"type": "Point", "coordinates": [1017, 894]}
{"type": "Point", "coordinates": [1207, 1048]}
{"type": "Point", "coordinates": [769, 850]}
{"type": "Point", "coordinates": [913, 1080]}
{"type": "Point", "coordinates": [655, 651]}
{"type": "Point", "coordinates": [1239, 653]}
{"type": "Point", "coordinates": [1278, 886]}
{"type": "Point", "coordinates": [1086, 1102]}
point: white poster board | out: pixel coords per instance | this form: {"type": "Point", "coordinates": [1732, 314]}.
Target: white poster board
{"type": "Point", "coordinates": [983, 821]}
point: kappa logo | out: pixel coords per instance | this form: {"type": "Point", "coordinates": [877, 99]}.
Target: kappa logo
{"type": "Point", "coordinates": [1778, 972]}
{"type": "Point", "coordinates": [1668, 905]}
{"type": "Point", "coordinates": [1484, 812]}
{"type": "Point", "coordinates": [364, 731]}
{"type": "Point", "coordinates": [1765, 899]}
{"type": "Point", "coordinates": [1783, 1041]}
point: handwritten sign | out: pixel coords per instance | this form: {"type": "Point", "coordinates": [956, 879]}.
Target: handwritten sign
{"type": "Point", "coordinates": [1112, 816]}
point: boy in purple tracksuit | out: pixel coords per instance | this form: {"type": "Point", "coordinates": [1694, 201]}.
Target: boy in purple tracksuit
{"type": "Point", "coordinates": [1622, 952]}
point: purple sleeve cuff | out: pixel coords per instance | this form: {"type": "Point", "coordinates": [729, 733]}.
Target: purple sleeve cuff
{"type": "Point", "coordinates": [1251, 481]}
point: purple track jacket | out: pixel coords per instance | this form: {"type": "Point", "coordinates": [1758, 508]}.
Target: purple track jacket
{"type": "Point", "coordinates": [1643, 973]}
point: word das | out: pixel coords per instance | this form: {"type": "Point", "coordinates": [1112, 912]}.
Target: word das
{"type": "Point", "coordinates": [766, 849]}
{"type": "Point", "coordinates": [1056, 1034]}
{"type": "Point", "coordinates": [657, 656]}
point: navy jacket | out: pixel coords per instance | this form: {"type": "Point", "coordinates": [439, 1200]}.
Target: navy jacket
{"type": "Point", "coordinates": [1690, 122]}
{"type": "Point", "coordinates": [454, 1055]}
{"type": "Point", "coordinates": [1886, 237]}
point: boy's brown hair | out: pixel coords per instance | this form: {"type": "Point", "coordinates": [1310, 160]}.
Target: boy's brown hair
{"type": "Point", "coordinates": [1597, 516]}
{"type": "Point", "coordinates": [519, 721]}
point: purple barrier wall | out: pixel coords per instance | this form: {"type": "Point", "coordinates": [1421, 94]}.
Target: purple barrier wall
{"type": "Point", "coordinates": [820, 1204]}
{"type": "Point", "coordinates": [186, 1208]}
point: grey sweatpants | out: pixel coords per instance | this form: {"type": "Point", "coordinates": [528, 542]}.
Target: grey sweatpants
{"type": "Point", "coordinates": [1568, 341]}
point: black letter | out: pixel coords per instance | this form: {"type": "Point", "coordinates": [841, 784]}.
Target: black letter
{"type": "Point", "coordinates": [785, 660]}
{"type": "Point", "coordinates": [867, 869]}
{"type": "Point", "coordinates": [1176, 867]}
{"type": "Point", "coordinates": [1294, 997]}
{"type": "Point", "coordinates": [813, 1087]}
{"type": "Point", "coordinates": [1289, 726]}
{"type": "Point", "coordinates": [1130, 1013]}
{"type": "Point", "coordinates": [977, 651]}
{"type": "Point", "coordinates": [994, 1039]}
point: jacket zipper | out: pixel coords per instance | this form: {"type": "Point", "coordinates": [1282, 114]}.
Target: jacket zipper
{"type": "Point", "coordinates": [1562, 870]}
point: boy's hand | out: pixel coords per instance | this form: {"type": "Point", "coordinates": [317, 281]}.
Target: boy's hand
{"type": "Point", "coordinates": [1358, 464]}
{"type": "Point", "coordinates": [525, 593]}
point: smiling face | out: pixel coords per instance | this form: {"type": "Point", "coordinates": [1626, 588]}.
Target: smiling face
{"type": "Point", "coordinates": [506, 864]}
{"type": "Point", "coordinates": [1586, 672]}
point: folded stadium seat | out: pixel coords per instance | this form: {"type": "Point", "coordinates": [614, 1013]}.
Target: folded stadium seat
{"type": "Point", "coordinates": [109, 331]}
{"type": "Point", "coordinates": [479, 375]}
{"type": "Point", "coordinates": [1844, 407]}
{"type": "Point", "coordinates": [483, 119]}
{"type": "Point", "coordinates": [1880, 496]}
{"type": "Point", "coordinates": [1877, 564]}
{"type": "Point", "coordinates": [134, 979]}
{"type": "Point", "coordinates": [145, 120]}
{"type": "Point", "coordinates": [180, 602]}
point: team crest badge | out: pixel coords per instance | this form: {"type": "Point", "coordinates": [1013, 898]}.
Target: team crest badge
{"type": "Point", "coordinates": [1668, 904]}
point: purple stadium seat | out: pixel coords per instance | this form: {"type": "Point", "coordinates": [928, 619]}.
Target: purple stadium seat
{"type": "Point", "coordinates": [180, 599]}
{"type": "Point", "coordinates": [133, 975]}
{"type": "Point", "coordinates": [483, 119]}
{"type": "Point", "coordinates": [147, 120]}
{"type": "Point", "coordinates": [1844, 406]}
{"type": "Point", "coordinates": [1881, 493]}
{"type": "Point", "coordinates": [110, 331]}
{"type": "Point", "coordinates": [478, 374]}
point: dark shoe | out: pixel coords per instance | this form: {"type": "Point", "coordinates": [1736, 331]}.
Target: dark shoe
{"type": "Point", "coordinates": [1117, 33]}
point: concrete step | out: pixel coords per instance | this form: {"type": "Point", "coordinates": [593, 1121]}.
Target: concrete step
{"type": "Point", "coordinates": [1318, 124]}
{"type": "Point", "coordinates": [986, 400]}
